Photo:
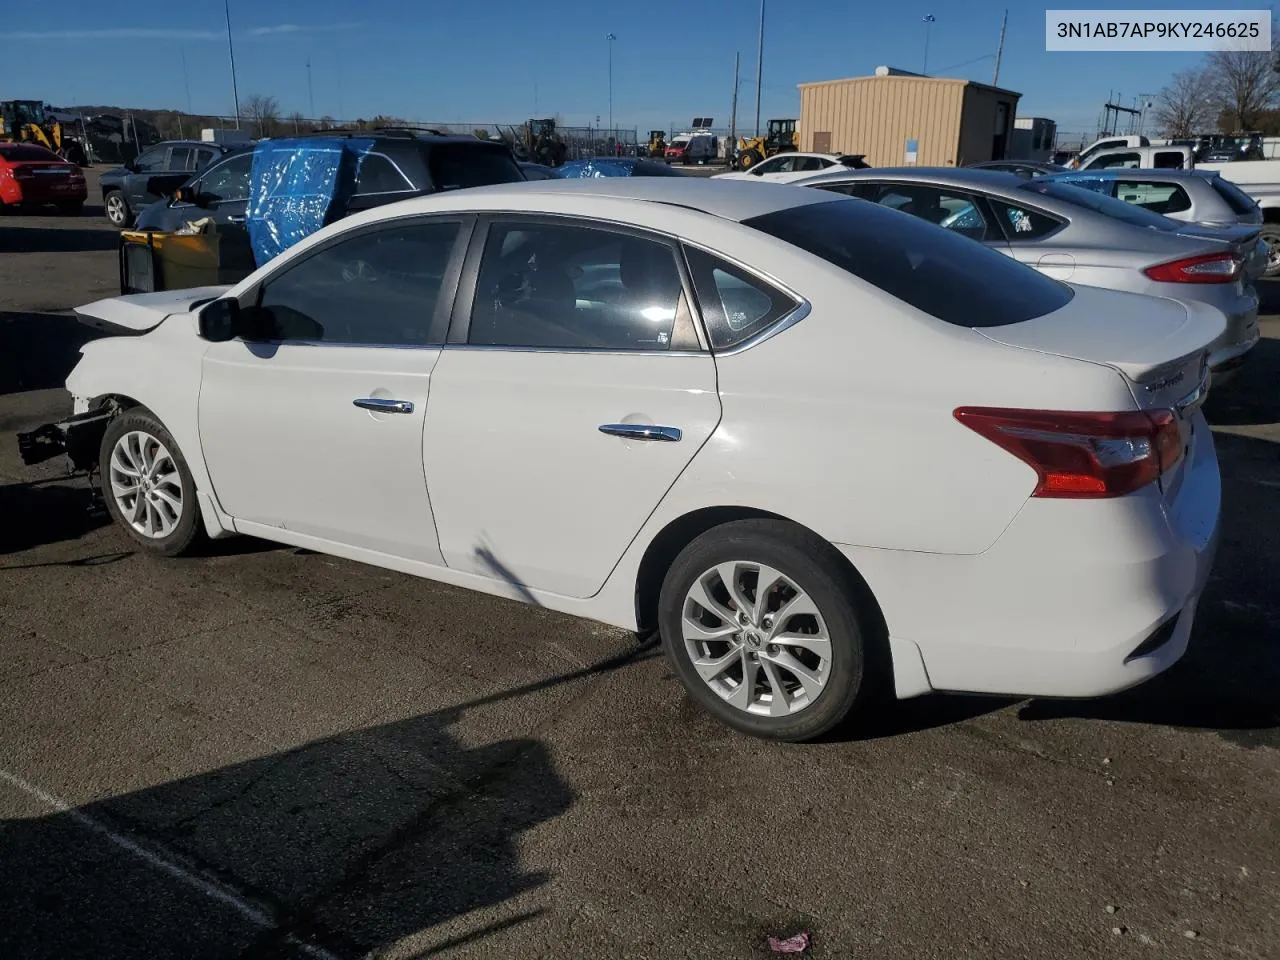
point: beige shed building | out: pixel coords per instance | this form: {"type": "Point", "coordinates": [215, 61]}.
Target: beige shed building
{"type": "Point", "coordinates": [899, 119]}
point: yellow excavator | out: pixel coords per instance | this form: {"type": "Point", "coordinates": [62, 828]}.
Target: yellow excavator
{"type": "Point", "coordinates": [657, 143]}
{"type": "Point", "coordinates": [28, 121]}
{"type": "Point", "coordinates": [780, 138]}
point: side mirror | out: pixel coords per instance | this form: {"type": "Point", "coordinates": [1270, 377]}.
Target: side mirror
{"type": "Point", "coordinates": [187, 195]}
{"type": "Point", "coordinates": [220, 321]}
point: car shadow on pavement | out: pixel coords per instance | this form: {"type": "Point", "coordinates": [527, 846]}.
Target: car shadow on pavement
{"type": "Point", "coordinates": [1228, 680]}
{"type": "Point", "coordinates": [38, 350]}
{"type": "Point", "coordinates": [43, 512]}
{"type": "Point", "coordinates": [335, 848]}
{"type": "Point", "coordinates": [70, 239]}
{"type": "Point", "coordinates": [1253, 396]}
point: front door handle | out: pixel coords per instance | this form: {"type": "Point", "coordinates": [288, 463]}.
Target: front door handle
{"type": "Point", "coordinates": [378, 405]}
{"type": "Point", "coordinates": [642, 431]}
{"type": "Point", "coordinates": [235, 219]}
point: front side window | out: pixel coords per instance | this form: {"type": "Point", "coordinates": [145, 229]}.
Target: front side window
{"type": "Point", "coordinates": [775, 165]}
{"type": "Point", "coordinates": [735, 305]}
{"type": "Point", "coordinates": [571, 286]}
{"type": "Point", "coordinates": [1163, 198]}
{"type": "Point", "coordinates": [935, 271]}
{"type": "Point", "coordinates": [229, 180]}
{"type": "Point", "coordinates": [152, 161]}
{"type": "Point", "coordinates": [204, 158]}
{"type": "Point", "coordinates": [1122, 160]}
{"type": "Point", "coordinates": [379, 288]}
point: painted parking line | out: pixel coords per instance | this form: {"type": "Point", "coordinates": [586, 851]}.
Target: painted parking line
{"type": "Point", "coordinates": [166, 862]}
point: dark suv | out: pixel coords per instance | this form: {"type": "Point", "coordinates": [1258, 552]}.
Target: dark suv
{"type": "Point", "coordinates": [399, 164]}
{"type": "Point", "coordinates": [129, 189]}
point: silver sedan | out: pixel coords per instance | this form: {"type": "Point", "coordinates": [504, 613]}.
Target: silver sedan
{"type": "Point", "coordinates": [1082, 237]}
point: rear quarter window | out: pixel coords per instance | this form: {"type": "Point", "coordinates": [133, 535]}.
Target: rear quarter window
{"type": "Point", "coordinates": [946, 275]}
{"type": "Point", "coordinates": [454, 166]}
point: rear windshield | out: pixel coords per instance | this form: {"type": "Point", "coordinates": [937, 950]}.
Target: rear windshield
{"type": "Point", "coordinates": [1237, 199]}
{"type": "Point", "coordinates": [457, 165]}
{"type": "Point", "coordinates": [946, 275]}
{"type": "Point", "coordinates": [26, 151]}
{"type": "Point", "coordinates": [1098, 203]}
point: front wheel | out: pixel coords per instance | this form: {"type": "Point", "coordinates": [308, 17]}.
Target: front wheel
{"type": "Point", "coordinates": [117, 208]}
{"type": "Point", "coordinates": [1271, 235]}
{"type": "Point", "coordinates": [763, 628]}
{"type": "Point", "coordinates": [147, 484]}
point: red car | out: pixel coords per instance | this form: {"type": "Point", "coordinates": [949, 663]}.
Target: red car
{"type": "Point", "coordinates": [676, 151]}
{"type": "Point", "coordinates": [33, 176]}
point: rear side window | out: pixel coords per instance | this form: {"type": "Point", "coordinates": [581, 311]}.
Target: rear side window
{"type": "Point", "coordinates": [940, 272]}
{"type": "Point", "coordinates": [1237, 199]}
{"type": "Point", "coordinates": [457, 165]}
{"type": "Point", "coordinates": [1169, 160]}
{"type": "Point", "coordinates": [1098, 203]}
{"type": "Point", "coordinates": [379, 174]}
{"type": "Point", "coordinates": [735, 305]}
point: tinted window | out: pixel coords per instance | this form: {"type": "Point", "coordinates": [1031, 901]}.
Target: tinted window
{"type": "Point", "coordinates": [1107, 206]}
{"type": "Point", "coordinates": [1237, 199]}
{"type": "Point", "coordinates": [1021, 223]}
{"type": "Point", "coordinates": [1127, 160]}
{"type": "Point", "coordinates": [379, 174]}
{"type": "Point", "coordinates": [574, 287]}
{"type": "Point", "coordinates": [940, 206]}
{"type": "Point", "coordinates": [457, 165]}
{"type": "Point", "coordinates": [379, 288]}
{"type": "Point", "coordinates": [228, 180]}
{"type": "Point", "coordinates": [937, 271]}
{"type": "Point", "coordinates": [1169, 160]}
{"type": "Point", "coordinates": [735, 305]}
{"type": "Point", "coordinates": [180, 159]}
{"type": "Point", "coordinates": [152, 160]}
{"type": "Point", "coordinates": [1159, 198]}
{"type": "Point", "coordinates": [204, 158]}
{"type": "Point", "coordinates": [773, 165]}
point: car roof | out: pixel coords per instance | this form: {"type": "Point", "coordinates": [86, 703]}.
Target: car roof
{"type": "Point", "coordinates": [735, 200]}
{"type": "Point", "coordinates": [947, 176]}
{"type": "Point", "coordinates": [1115, 173]}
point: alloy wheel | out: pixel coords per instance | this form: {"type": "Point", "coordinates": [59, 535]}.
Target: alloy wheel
{"type": "Point", "coordinates": [115, 208]}
{"type": "Point", "coordinates": [756, 638]}
{"type": "Point", "coordinates": [145, 484]}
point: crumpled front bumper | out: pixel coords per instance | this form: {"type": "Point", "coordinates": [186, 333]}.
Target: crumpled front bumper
{"type": "Point", "coordinates": [78, 437]}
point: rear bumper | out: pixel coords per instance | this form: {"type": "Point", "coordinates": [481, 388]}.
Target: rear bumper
{"type": "Point", "coordinates": [1076, 599]}
{"type": "Point", "coordinates": [1224, 361]}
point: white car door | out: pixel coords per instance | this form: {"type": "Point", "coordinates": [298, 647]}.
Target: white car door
{"type": "Point", "coordinates": [573, 392]}
{"type": "Point", "coordinates": [315, 425]}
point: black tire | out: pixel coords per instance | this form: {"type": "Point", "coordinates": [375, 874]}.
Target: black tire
{"type": "Point", "coordinates": [1271, 235]}
{"type": "Point", "coordinates": [813, 565]}
{"type": "Point", "coordinates": [72, 209]}
{"type": "Point", "coordinates": [748, 159]}
{"type": "Point", "coordinates": [189, 528]}
{"type": "Point", "coordinates": [116, 208]}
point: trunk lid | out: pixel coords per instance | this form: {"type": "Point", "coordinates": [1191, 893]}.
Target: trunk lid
{"type": "Point", "coordinates": [1159, 346]}
{"type": "Point", "coordinates": [140, 312]}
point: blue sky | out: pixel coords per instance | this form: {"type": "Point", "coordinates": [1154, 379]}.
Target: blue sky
{"type": "Point", "coordinates": [505, 60]}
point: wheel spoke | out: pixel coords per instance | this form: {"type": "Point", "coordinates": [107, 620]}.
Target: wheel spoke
{"type": "Point", "coordinates": [709, 668]}
{"type": "Point", "coordinates": [173, 502]}
{"type": "Point", "coordinates": [148, 510]}
{"type": "Point", "coordinates": [744, 695]}
{"type": "Point", "coordinates": [729, 576]}
{"type": "Point", "coordinates": [780, 706]}
{"type": "Point", "coordinates": [798, 605]}
{"type": "Point", "coordinates": [810, 682]}
{"type": "Point", "coordinates": [162, 457]}
{"type": "Point", "coordinates": [699, 594]}
{"type": "Point", "coordinates": [693, 630]}
{"type": "Point", "coordinates": [814, 643]}
{"type": "Point", "coordinates": [766, 579]}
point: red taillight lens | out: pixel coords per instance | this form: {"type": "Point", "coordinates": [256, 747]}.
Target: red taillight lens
{"type": "Point", "coordinates": [1083, 455]}
{"type": "Point", "coordinates": [1210, 268]}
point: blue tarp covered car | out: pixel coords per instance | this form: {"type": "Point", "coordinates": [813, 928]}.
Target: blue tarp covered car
{"type": "Point", "coordinates": [615, 167]}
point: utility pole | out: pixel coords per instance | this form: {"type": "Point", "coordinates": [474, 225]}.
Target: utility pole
{"type": "Point", "coordinates": [995, 81]}
{"type": "Point", "coordinates": [311, 96]}
{"type": "Point", "coordinates": [609, 38]}
{"type": "Point", "coordinates": [733, 119]}
{"type": "Point", "coordinates": [928, 26]}
{"type": "Point", "coordinates": [759, 66]}
{"type": "Point", "coordinates": [231, 51]}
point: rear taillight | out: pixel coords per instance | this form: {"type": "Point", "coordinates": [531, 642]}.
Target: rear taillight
{"type": "Point", "coordinates": [1210, 268]}
{"type": "Point", "coordinates": [1083, 455]}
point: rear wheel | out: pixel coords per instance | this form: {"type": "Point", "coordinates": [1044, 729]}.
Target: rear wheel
{"type": "Point", "coordinates": [147, 484]}
{"type": "Point", "coordinates": [763, 628]}
{"type": "Point", "coordinates": [117, 208]}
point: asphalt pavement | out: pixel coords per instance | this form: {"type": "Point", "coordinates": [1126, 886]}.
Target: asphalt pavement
{"type": "Point", "coordinates": [266, 752]}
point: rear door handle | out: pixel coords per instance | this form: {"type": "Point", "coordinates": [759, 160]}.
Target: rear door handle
{"type": "Point", "coordinates": [642, 431]}
{"type": "Point", "coordinates": [378, 405]}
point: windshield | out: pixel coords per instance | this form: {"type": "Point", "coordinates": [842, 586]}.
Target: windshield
{"type": "Point", "coordinates": [1107, 206]}
{"type": "Point", "coordinates": [948, 276]}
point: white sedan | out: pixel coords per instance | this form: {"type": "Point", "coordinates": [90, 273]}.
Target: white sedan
{"type": "Point", "coordinates": [822, 447]}
{"type": "Point", "coordinates": [785, 167]}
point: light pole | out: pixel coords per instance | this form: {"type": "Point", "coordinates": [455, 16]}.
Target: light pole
{"type": "Point", "coordinates": [231, 50]}
{"type": "Point", "coordinates": [609, 38]}
{"type": "Point", "coordinates": [759, 66]}
{"type": "Point", "coordinates": [928, 25]}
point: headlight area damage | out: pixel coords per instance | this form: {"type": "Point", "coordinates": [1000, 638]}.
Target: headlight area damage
{"type": "Point", "coordinates": [78, 436]}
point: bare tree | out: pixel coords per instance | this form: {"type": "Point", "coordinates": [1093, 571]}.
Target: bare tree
{"type": "Point", "coordinates": [1185, 106]}
{"type": "Point", "coordinates": [1244, 84]}
{"type": "Point", "coordinates": [263, 112]}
